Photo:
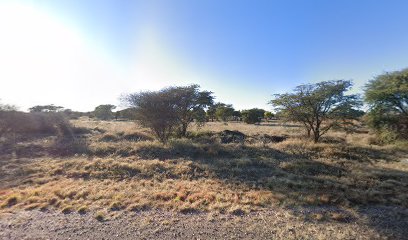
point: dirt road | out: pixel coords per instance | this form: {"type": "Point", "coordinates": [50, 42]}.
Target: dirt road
{"type": "Point", "coordinates": [372, 223]}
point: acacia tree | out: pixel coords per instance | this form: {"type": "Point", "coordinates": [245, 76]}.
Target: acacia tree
{"type": "Point", "coordinates": [104, 112]}
{"type": "Point", "coordinates": [387, 97]}
{"type": "Point", "coordinates": [46, 108]}
{"type": "Point", "coordinates": [237, 115]}
{"type": "Point", "coordinates": [155, 110]}
{"type": "Point", "coordinates": [221, 107]}
{"type": "Point", "coordinates": [319, 107]}
{"type": "Point", "coordinates": [210, 113]}
{"type": "Point", "coordinates": [224, 111]}
{"type": "Point", "coordinates": [190, 103]}
{"type": "Point", "coordinates": [170, 110]}
{"type": "Point", "coordinates": [268, 115]}
{"type": "Point", "coordinates": [253, 115]}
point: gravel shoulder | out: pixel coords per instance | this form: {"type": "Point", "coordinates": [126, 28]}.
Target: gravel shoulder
{"type": "Point", "coordinates": [369, 223]}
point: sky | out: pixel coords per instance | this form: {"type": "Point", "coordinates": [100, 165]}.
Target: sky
{"type": "Point", "coordinates": [82, 53]}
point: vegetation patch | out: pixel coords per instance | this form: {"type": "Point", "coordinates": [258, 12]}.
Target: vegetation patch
{"type": "Point", "coordinates": [191, 174]}
{"type": "Point", "coordinates": [228, 136]}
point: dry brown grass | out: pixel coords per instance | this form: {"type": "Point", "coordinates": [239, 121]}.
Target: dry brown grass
{"type": "Point", "coordinates": [118, 173]}
{"type": "Point", "coordinates": [72, 184]}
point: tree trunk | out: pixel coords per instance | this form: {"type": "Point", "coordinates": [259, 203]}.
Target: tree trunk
{"type": "Point", "coordinates": [183, 130]}
{"type": "Point", "coordinates": [316, 135]}
{"type": "Point", "coordinates": [308, 131]}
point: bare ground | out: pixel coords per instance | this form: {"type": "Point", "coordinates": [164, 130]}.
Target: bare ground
{"type": "Point", "coordinates": [370, 223]}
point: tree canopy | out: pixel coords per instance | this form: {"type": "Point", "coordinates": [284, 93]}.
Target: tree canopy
{"type": "Point", "coordinates": [170, 110]}
{"type": "Point", "coordinates": [224, 111]}
{"type": "Point", "coordinates": [46, 108]}
{"type": "Point", "coordinates": [387, 97]}
{"type": "Point", "coordinates": [268, 115]}
{"type": "Point", "coordinates": [319, 107]}
{"type": "Point", "coordinates": [189, 104]}
{"type": "Point", "coordinates": [104, 112]}
{"type": "Point", "coordinates": [253, 115]}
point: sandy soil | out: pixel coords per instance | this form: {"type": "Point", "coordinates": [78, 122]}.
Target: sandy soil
{"type": "Point", "coordinates": [369, 223]}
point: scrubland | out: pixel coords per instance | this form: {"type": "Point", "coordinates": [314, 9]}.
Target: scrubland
{"type": "Point", "coordinates": [110, 168]}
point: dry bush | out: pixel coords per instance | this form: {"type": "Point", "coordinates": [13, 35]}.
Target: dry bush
{"type": "Point", "coordinates": [18, 130]}
{"type": "Point", "coordinates": [109, 138]}
{"type": "Point", "coordinates": [33, 124]}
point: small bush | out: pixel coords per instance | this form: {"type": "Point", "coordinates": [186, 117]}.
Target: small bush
{"type": "Point", "coordinates": [116, 206]}
{"type": "Point", "coordinates": [139, 207]}
{"type": "Point", "coordinates": [203, 137]}
{"type": "Point", "coordinates": [387, 136]}
{"type": "Point", "coordinates": [238, 211]}
{"type": "Point", "coordinates": [228, 136]}
{"type": "Point", "coordinates": [25, 125]}
{"type": "Point", "coordinates": [108, 138]}
{"type": "Point", "coordinates": [11, 201]}
{"type": "Point", "coordinates": [67, 210]}
{"type": "Point", "coordinates": [82, 210]}
{"type": "Point", "coordinates": [100, 216]}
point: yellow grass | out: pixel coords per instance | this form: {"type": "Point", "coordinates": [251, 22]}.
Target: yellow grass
{"type": "Point", "coordinates": [186, 175]}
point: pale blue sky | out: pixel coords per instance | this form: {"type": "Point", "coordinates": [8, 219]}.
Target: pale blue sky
{"type": "Point", "coordinates": [82, 53]}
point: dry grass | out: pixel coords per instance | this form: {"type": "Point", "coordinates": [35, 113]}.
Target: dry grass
{"type": "Point", "coordinates": [121, 173]}
{"type": "Point", "coordinates": [271, 128]}
{"type": "Point", "coordinates": [133, 185]}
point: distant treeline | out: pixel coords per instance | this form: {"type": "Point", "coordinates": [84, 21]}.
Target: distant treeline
{"type": "Point", "coordinates": [319, 107]}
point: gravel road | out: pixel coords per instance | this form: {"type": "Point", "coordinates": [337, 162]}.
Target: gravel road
{"type": "Point", "coordinates": [371, 223]}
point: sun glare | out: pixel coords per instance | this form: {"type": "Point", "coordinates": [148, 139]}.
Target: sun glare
{"type": "Point", "coordinates": [41, 54]}
{"type": "Point", "coordinates": [53, 59]}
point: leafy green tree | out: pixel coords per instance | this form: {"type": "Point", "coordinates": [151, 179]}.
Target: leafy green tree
{"type": "Point", "coordinates": [155, 110]}
{"type": "Point", "coordinates": [253, 115]}
{"type": "Point", "coordinates": [387, 97]}
{"type": "Point", "coordinates": [211, 113]}
{"type": "Point", "coordinates": [104, 112]}
{"type": "Point", "coordinates": [224, 111]}
{"type": "Point", "coordinates": [319, 107]}
{"type": "Point", "coordinates": [190, 104]}
{"type": "Point", "coordinates": [237, 115]}
{"type": "Point", "coordinates": [268, 115]}
{"type": "Point", "coordinates": [200, 117]}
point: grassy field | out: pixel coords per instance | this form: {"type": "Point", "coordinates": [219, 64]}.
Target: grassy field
{"type": "Point", "coordinates": [115, 167]}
